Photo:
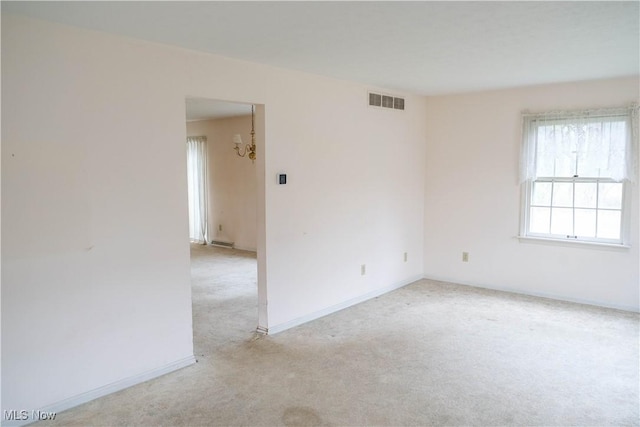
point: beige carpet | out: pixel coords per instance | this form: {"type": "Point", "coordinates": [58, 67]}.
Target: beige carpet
{"type": "Point", "coordinates": [428, 354]}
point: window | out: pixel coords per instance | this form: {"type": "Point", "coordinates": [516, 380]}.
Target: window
{"type": "Point", "coordinates": [197, 188]}
{"type": "Point", "coordinates": [576, 169]}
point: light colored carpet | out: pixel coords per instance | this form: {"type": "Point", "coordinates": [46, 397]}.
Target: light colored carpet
{"type": "Point", "coordinates": [430, 353]}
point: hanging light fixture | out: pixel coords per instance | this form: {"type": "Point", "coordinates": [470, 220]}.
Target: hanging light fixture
{"type": "Point", "coordinates": [249, 148]}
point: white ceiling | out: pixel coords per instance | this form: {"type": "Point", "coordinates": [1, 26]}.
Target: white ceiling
{"type": "Point", "coordinates": [202, 109]}
{"type": "Point", "coordinates": [420, 47]}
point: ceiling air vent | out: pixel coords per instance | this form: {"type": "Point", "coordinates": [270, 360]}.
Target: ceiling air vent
{"type": "Point", "coordinates": [375, 99]}
{"type": "Point", "coordinates": [386, 101]}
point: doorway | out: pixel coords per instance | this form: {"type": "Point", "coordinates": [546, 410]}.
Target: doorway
{"type": "Point", "coordinates": [226, 290]}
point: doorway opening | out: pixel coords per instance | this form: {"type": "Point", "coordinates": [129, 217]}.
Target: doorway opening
{"type": "Point", "coordinates": [226, 228]}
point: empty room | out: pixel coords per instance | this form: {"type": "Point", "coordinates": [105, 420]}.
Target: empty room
{"type": "Point", "coordinates": [420, 213]}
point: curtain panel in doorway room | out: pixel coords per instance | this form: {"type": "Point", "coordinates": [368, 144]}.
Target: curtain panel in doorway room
{"type": "Point", "coordinates": [197, 188]}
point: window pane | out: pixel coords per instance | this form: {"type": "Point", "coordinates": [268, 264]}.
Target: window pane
{"type": "Point", "coordinates": [562, 221]}
{"type": "Point", "coordinates": [565, 165]}
{"type": "Point", "coordinates": [585, 222]}
{"type": "Point", "coordinates": [541, 194]}
{"type": "Point", "coordinates": [563, 194]}
{"type": "Point", "coordinates": [545, 152]}
{"type": "Point", "coordinates": [609, 224]}
{"type": "Point", "coordinates": [602, 149]}
{"type": "Point", "coordinates": [556, 150]}
{"type": "Point", "coordinates": [610, 196]}
{"type": "Point", "coordinates": [539, 220]}
{"type": "Point", "coordinates": [585, 195]}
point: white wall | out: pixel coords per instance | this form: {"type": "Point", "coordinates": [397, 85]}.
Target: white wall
{"type": "Point", "coordinates": [353, 194]}
{"type": "Point", "coordinates": [472, 199]}
{"type": "Point", "coordinates": [95, 277]}
{"type": "Point", "coordinates": [95, 254]}
{"type": "Point", "coordinates": [232, 181]}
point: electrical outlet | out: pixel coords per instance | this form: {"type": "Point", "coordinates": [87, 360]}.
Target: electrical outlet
{"type": "Point", "coordinates": [405, 257]}
{"type": "Point", "coordinates": [465, 256]}
{"type": "Point", "coordinates": [363, 269]}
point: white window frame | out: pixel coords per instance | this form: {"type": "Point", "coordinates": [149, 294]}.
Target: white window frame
{"type": "Point", "coordinates": [630, 114]}
{"type": "Point", "coordinates": [624, 221]}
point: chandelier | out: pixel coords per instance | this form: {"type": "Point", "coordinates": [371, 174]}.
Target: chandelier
{"type": "Point", "coordinates": [249, 149]}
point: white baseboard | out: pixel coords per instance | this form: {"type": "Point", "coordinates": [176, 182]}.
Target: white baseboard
{"type": "Point", "coordinates": [329, 310]}
{"type": "Point", "coordinates": [103, 391]}
{"type": "Point", "coordinates": [245, 248]}
{"type": "Point", "coordinates": [632, 309]}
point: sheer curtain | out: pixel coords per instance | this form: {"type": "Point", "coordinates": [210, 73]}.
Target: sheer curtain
{"type": "Point", "coordinates": [589, 144]}
{"type": "Point", "coordinates": [197, 188]}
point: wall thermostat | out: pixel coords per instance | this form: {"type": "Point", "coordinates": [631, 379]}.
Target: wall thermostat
{"type": "Point", "coordinates": [282, 178]}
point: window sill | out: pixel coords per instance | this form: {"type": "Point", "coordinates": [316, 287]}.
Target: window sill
{"type": "Point", "coordinates": [574, 243]}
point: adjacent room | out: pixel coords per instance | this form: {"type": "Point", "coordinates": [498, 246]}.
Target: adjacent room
{"type": "Point", "coordinates": [222, 221]}
{"type": "Point", "coordinates": [320, 213]}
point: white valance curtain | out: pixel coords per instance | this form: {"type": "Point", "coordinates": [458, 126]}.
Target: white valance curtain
{"type": "Point", "coordinates": [586, 144]}
{"type": "Point", "coordinates": [197, 188]}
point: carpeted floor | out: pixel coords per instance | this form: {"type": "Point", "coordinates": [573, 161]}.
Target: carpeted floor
{"type": "Point", "coordinates": [430, 353]}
